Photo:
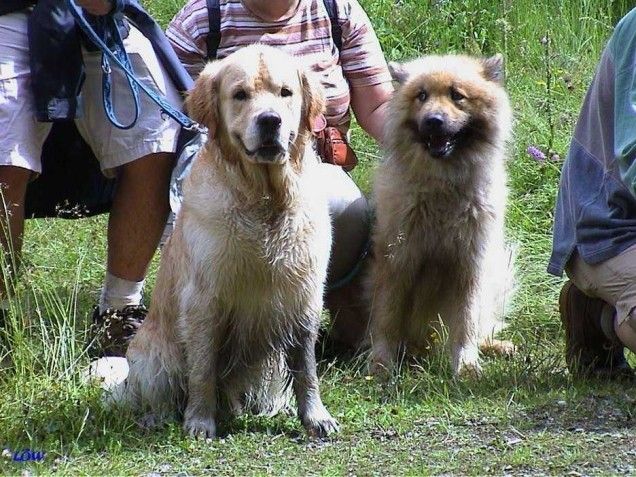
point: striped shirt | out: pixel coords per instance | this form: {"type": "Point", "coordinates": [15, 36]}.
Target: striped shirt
{"type": "Point", "coordinates": [306, 34]}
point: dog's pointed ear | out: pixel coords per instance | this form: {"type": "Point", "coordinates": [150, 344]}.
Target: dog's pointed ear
{"type": "Point", "coordinates": [494, 68]}
{"type": "Point", "coordinates": [398, 71]}
{"type": "Point", "coordinates": [201, 101]}
{"type": "Point", "coordinates": [313, 98]}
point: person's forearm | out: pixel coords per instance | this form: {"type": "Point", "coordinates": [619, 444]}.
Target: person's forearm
{"type": "Point", "coordinates": [374, 123]}
{"type": "Point", "coordinates": [370, 106]}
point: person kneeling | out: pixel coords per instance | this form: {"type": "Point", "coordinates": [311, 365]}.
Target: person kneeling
{"type": "Point", "coordinates": [595, 219]}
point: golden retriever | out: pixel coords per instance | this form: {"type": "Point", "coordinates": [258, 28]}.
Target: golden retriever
{"type": "Point", "coordinates": [236, 307]}
{"type": "Point", "coordinates": [440, 256]}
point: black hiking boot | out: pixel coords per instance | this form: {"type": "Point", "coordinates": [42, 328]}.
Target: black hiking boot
{"type": "Point", "coordinates": [112, 330]}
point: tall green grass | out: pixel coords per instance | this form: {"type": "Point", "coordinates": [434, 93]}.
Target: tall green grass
{"type": "Point", "coordinates": [45, 405]}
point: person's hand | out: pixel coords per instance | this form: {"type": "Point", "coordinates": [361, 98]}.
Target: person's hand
{"type": "Point", "coordinates": [96, 7]}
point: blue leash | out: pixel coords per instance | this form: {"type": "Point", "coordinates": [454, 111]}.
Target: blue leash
{"type": "Point", "coordinates": [120, 58]}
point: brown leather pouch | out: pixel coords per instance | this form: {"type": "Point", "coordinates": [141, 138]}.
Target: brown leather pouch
{"type": "Point", "coordinates": [333, 148]}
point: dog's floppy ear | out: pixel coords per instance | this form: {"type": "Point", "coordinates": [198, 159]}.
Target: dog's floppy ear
{"type": "Point", "coordinates": [313, 98]}
{"type": "Point", "coordinates": [201, 102]}
{"type": "Point", "coordinates": [494, 68]}
{"type": "Point", "coordinates": [398, 71]}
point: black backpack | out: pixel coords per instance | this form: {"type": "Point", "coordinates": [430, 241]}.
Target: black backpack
{"type": "Point", "coordinates": [10, 6]}
{"type": "Point", "coordinates": [214, 19]}
{"type": "Point", "coordinates": [71, 185]}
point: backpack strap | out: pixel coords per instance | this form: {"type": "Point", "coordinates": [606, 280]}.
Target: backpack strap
{"type": "Point", "coordinates": [336, 29]}
{"type": "Point", "coordinates": [214, 20]}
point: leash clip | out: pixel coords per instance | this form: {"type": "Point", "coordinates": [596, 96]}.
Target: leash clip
{"type": "Point", "coordinates": [196, 127]}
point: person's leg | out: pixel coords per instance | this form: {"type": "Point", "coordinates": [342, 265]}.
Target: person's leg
{"type": "Point", "coordinates": [588, 349]}
{"type": "Point", "coordinates": [613, 283]}
{"type": "Point", "coordinates": [617, 286]}
{"type": "Point", "coordinates": [141, 158]}
{"type": "Point", "coordinates": [21, 137]}
{"type": "Point", "coordinates": [626, 332]}
{"type": "Point", "coordinates": [13, 184]}
{"type": "Point", "coordinates": [345, 297]}
{"type": "Point", "coordinates": [138, 216]}
{"type": "Point", "coordinates": [137, 219]}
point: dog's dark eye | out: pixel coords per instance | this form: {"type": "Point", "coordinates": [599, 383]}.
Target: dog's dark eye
{"type": "Point", "coordinates": [421, 96]}
{"type": "Point", "coordinates": [240, 95]}
{"type": "Point", "coordinates": [285, 92]}
{"type": "Point", "coordinates": [456, 95]}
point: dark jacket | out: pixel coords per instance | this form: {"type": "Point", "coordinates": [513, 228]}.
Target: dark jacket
{"type": "Point", "coordinates": [9, 6]}
{"type": "Point", "coordinates": [595, 213]}
{"type": "Point", "coordinates": [57, 69]}
{"type": "Point", "coordinates": [71, 183]}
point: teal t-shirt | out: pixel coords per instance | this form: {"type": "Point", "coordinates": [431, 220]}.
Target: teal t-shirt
{"type": "Point", "coordinates": [622, 47]}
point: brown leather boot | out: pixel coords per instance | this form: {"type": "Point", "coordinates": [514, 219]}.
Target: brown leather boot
{"type": "Point", "coordinates": [588, 351]}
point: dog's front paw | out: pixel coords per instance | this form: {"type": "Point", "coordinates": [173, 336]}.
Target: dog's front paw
{"type": "Point", "coordinates": [469, 371]}
{"type": "Point", "coordinates": [150, 421]}
{"type": "Point", "coordinates": [200, 427]}
{"type": "Point", "coordinates": [503, 348]}
{"type": "Point", "coordinates": [381, 364]}
{"type": "Point", "coordinates": [466, 361]}
{"type": "Point", "coordinates": [320, 424]}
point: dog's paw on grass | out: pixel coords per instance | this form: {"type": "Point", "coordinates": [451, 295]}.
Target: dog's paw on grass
{"type": "Point", "coordinates": [200, 427]}
{"type": "Point", "coordinates": [320, 424]}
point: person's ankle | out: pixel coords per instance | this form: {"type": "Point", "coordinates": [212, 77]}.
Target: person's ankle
{"type": "Point", "coordinates": [119, 292]}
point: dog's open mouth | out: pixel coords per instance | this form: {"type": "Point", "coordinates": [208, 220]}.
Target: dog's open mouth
{"type": "Point", "coordinates": [439, 145]}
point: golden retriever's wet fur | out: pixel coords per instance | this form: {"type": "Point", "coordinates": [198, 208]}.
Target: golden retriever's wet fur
{"type": "Point", "coordinates": [441, 196]}
{"type": "Point", "coordinates": [236, 307]}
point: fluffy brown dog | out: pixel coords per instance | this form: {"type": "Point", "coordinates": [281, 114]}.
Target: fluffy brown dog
{"type": "Point", "coordinates": [441, 193]}
{"type": "Point", "coordinates": [236, 307]}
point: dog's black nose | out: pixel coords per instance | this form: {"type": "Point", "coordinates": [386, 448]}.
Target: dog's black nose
{"type": "Point", "coordinates": [268, 122]}
{"type": "Point", "coordinates": [434, 121]}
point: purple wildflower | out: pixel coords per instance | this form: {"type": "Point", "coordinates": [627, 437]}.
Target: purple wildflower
{"type": "Point", "coordinates": [536, 153]}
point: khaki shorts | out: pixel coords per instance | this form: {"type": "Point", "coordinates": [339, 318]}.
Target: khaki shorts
{"type": "Point", "coordinates": [22, 137]}
{"type": "Point", "coordinates": [613, 281]}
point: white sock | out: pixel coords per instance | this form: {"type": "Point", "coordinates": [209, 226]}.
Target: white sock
{"type": "Point", "coordinates": [118, 293]}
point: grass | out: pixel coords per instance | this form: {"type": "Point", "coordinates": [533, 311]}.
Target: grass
{"type": "Point", "coordinates": [526, 416]}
